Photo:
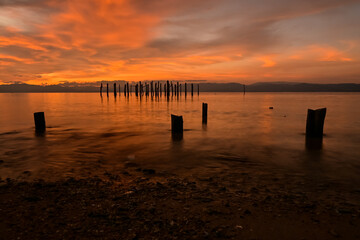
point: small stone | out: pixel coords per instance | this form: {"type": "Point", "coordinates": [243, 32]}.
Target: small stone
{"type": "Point", "coordinates": [148, 171]}
{"type": "Point", "coordinates": [335, 234]}
{"type": "Point", "coordinates": [247, 211]}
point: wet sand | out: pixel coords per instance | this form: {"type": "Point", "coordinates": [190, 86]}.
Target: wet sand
{"type": "Point", "coordinates": [244, 201]}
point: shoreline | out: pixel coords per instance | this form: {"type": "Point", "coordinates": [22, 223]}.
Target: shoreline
{"type": "Point", "coordinates": [239, 203]}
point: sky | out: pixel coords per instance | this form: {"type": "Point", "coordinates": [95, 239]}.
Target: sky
{"type": "Point", "coordinates": [244, 41]}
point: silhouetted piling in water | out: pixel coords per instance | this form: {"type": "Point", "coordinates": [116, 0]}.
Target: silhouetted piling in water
{"type": "Point", "coordinates": [167, 88]}
{"type": "Point", "coordinates": [101, 88]}
{"type": "Point", "coordinates": [107, 89]}
{"type": "Point", "coordinates": [176, 124]}
{"type": "Point", "coordinates": [152, 88]}
{"type": "Point", "coordinates": [128, 89]}
{"type": "Point", "coordinates": [136, 89]}
{"type": "Point", "coordinates": [115, 89]}
{"type": "Point", "coordinates": [315, 123]}
{"type": "Point", "coordinates": [185, 89]}
{"type": "Point", "coordinates": [198, 89]}
{"type": "Point", "coordinates": [204, 112]}
{"type": "Point", "coordinates": [244, 89]}
{"type": "Point", "coordinates": [192, 89]}
{"type": "Point", "coordinates": [119, 89]}
{"type": "Point", "coordinates": [39, 119]}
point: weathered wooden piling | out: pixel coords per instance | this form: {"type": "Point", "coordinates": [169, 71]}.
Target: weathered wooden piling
{"type": "Point", "coordinates": [204, 112]}
{"type": "Point", "coordinates": [192, 89]}
{"type": "Point", "coordinates": [128, 89]}
{"type": "Point", "coordinates": [198, 89]}
{"type": "Point", "coordinates": [244, 89]}
{"type": "Point", "coordinates": [125, 86]}
{"type": "Point", "coordinates": [107, 89]}
{"type": "Point", "coordinates": [167, 88]}
{"type": "Point", "coordinates": [185, 89]}
{"type": "Point", "coordinates": [119, 89]}
{"type": "Point", "coordinates": [101, 87]}
{"type": "Point", "coordinates": [176, 124]}
{"type": "Point", "coordinates": [115, 89]}
{"type": "Point", "coordinates": [39, 119]}
{"type": "Point", "coordinates": [315, 122]}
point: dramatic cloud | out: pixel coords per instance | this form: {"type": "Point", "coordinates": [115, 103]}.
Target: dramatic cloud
{"type": "Point", "coordinates": [51, 41]}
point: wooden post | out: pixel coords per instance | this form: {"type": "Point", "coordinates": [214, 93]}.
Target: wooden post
{"type": "Point", "coordinates": [176, 124]}
{"type": "Point", "coordinates": [192, 89]}
{"type": "Point", "coordinates": [107, 89]}
{"type": "Point", "coordinates": [115, 89]}
{"type": "Point", "coordinates": [204, 112]}
{"type": "Point", "coordinates": [244, 89]}
{"type": "Point", "coordinates": [128, 89]}
{"type": "Point", "coordinates": [119, 89]}
{"type": "Point", "coordinates": [198, 89]}
{"type": "Point", "coordinates": [125, 89]}
{"type": "Point", "coordinates": [101, 87]}
{"type": "Point", "coordinates": [185, 89]}
{"type": "Point", "coordinates": [315, 122]}
{"type": "Point", "coordinates": [39, 118]}
{"type": "Point", "coordinates": [168, 88]}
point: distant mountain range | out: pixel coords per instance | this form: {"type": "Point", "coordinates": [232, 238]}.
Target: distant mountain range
{"type": "Point", "coordinates": [204, 87]}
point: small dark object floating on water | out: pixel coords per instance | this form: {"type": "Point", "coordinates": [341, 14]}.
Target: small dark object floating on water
{"type": "Point", "coordinates": [271, 107]}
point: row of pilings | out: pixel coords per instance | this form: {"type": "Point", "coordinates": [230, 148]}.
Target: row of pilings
{"type": "Point", "coordinates": [153, 88]}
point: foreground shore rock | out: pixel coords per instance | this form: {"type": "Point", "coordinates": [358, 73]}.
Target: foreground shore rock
{"type": "Point", "coordinates": [146, 205]}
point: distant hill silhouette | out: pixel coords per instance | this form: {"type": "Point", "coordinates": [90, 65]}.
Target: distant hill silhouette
{"type": "Point", "coordinates": [204, 87]}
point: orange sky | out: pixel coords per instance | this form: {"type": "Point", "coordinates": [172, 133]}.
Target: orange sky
{"type": "Point", "coordinates": [51, 41]}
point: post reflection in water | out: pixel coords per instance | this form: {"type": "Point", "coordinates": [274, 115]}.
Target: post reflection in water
{"type": "Point", "coordinates": [312, 144]}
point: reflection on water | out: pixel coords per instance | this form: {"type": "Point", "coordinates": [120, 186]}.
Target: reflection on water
{"type": "Point", "coordinates": [89, 134]}
{"type": "Point", "coordinates": [313, 144]}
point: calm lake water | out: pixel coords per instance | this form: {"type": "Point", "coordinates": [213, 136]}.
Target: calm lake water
{"type": "Point", "coordinates": [88, 134]}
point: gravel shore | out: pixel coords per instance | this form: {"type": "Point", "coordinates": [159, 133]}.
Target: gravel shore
{"type": "Point", "coordinates": [145, 204]}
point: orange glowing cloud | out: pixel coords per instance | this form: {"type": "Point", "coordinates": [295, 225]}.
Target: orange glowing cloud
{"type": "Point", "coordinates": [267, 60]}
{"type": "Point", "coordinates": [51, 41]}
